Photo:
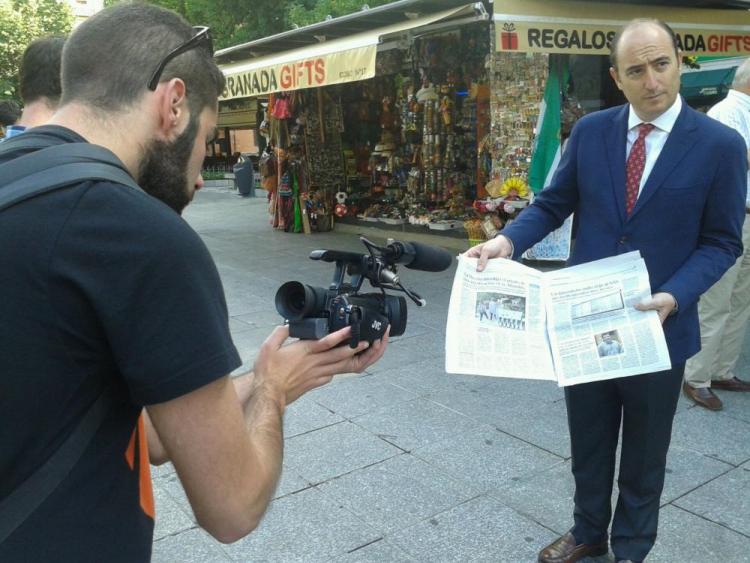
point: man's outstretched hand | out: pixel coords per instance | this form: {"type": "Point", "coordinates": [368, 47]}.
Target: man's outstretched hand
{"type": "Point", "coordinates": [498, 247]}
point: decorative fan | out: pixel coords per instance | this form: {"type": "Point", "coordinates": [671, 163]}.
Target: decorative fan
{"type": "Point", "coordinates": [514, 188]}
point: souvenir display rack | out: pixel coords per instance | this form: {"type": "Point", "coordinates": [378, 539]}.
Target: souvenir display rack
{"type": "Point", "coordinates": [411, 136]}
{"type": "Point", "coordinates": [303, 167]}
{"type": "Point", "coordinates": [516, 86]}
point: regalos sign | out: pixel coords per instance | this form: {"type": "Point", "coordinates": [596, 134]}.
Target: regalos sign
{"type": "Point", "coordinates": [263, 76]}
{"type": "Point", "coordinates": [587, 28]}
{"type": "Point", "coordinates": [595, 39]}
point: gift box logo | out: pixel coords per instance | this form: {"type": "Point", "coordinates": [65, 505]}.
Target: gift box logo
{"type": "Point", "coordinates": [509, 37]}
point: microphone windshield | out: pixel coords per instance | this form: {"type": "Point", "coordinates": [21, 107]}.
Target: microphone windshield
{"type": "Point", "coordinates": [428, 258]}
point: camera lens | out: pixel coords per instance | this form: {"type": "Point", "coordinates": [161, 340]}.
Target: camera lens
{"type": "Point", "coordinates": [295, 300]}
{"type": "Point", "coordinates": [395, 308]}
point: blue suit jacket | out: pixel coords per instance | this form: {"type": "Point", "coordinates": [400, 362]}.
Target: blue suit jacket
{"type": "Point", "coordinates": [687, 222]}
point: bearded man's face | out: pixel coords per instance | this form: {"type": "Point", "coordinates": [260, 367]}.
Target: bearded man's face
{"type": "Point", "coordinates": [164, 169]}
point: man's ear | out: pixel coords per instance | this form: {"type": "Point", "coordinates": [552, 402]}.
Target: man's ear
{"type": "Point", "coordinates": [172, 108]}
{"type": "Point", "coordinates": [615, 77]}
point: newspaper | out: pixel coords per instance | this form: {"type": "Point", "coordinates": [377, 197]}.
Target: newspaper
{"type": "Point", "coordinates": [572, 325]}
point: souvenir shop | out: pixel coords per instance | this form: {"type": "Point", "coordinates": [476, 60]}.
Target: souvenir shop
{"type": "Point", "coordinates": [444, 123]}
{"type": "Point", "coordinates": [380, 127]}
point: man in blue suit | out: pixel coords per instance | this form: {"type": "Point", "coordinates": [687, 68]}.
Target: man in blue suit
{"type": "Point", "coordinates": [658, 177]}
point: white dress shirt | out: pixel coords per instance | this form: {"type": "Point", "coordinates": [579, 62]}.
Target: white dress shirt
{"type": "Point", "coordinates": [656, 139]}
{"type": "Point", "coordinates": [734, 111]}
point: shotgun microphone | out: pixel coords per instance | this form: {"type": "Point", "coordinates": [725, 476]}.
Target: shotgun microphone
{"type": "Point", "coordinates": [418, 256]}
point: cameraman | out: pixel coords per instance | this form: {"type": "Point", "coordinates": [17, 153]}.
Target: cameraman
{"type": "Point", "coordinates": [108, 292]}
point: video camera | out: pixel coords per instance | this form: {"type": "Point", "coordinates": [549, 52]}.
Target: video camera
{"type": "Point", "coordinates": [314, 312]}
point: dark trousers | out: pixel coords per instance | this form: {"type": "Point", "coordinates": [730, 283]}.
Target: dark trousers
{"type": "Point", "coordinates": [645, 404]}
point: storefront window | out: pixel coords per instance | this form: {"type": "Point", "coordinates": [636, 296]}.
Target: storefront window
{"type": "Point", "coordinates": [590, 82]}
{"type": "Point", "coordinates": [243, 141]}
{"type": "Point", "coordinates": [216, 153]}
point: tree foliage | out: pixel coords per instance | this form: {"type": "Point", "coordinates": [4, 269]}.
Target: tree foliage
{"type": "Point", "coordinates": [233, 22]}
{"type": "Point", "coordinates": [22, 21]}
{"type": "Point", "coordinates": [306, 12]}
{"type": "Point", "coordinates": [238, 21]}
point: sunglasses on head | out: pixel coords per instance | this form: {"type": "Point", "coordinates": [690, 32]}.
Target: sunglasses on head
{"type": "Point", "coordinates": [202, 38]}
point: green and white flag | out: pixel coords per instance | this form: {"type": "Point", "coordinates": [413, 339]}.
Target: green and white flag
{"type": "Point", "coordinates": [544, 161]}
{"type": "Point", "coordinates": [546, 155]}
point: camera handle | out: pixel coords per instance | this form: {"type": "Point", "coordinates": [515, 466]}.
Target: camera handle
{"type": "Point", "coordinates": [346, 263]}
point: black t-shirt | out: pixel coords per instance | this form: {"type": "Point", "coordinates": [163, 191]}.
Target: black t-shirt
{"type": "Point", "coordinates": [100, 285]}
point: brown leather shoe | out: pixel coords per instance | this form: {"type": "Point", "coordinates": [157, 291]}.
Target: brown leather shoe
{"type": "Point", "coordinates": [565, 550]}
{"type": "Point", "coordinates": [733, 384]}
{"type": "Point", "coordinates": [702, 396]}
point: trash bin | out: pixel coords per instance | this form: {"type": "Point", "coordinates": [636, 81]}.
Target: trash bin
{"type": "Point", "coordinates": [244, 179]}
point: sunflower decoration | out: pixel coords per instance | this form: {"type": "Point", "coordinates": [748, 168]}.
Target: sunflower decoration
{"type": "Point", "coordinates": [514, 188]}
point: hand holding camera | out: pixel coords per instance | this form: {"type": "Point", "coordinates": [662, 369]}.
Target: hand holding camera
{"type": "Point", "coordinates": [288, 371]}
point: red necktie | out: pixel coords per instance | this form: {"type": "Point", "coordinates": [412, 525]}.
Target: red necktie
{"type": "Point", "coordinates": [634, 168]}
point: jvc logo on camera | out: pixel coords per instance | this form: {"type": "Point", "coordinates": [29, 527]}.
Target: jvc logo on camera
{"type": "Point", "coordinates": [376, 325]}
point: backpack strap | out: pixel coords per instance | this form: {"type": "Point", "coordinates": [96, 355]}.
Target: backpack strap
{"type": "Point", "coordinates": [43, 170]}
{"type": "Point", "coordinates": [27, 497]}
{"type": "Point", "coordinates": [30, 140]}
{"type": "Point", "coordinates": [56, 166]}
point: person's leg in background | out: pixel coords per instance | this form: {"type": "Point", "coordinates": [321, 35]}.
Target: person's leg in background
{"type": "Point", "coordinates": [714, 310]}
{"type": "Point", "coordinates": [724, 376]}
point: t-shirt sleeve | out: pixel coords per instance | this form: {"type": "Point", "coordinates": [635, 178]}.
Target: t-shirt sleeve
{"type": "Point", "coordinates": [154, 289]}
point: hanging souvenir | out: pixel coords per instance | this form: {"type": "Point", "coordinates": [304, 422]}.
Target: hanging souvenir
{"type": "Point", "coordinates": [285, 187]}
{"type": "Point", "coordinates": [282, 107]}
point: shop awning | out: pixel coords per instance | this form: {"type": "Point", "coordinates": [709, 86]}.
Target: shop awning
{"type": "Point", "coordinates": [330, 62]}
{"type": "Point", "coordinates": [574, 27]}
{"type": "Point", "coordinates": [706, 84]}
{"type": "Point", "coordinates": [363, 20]}
{"type": "Point", "coordinates": [712, 80]}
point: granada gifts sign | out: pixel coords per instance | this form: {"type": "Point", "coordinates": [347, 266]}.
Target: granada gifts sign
{"type": "Point", "coordinates": [264, 76]}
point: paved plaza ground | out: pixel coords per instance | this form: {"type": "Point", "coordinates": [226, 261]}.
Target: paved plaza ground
{"type": "Point", "coordinates": [405, 463]}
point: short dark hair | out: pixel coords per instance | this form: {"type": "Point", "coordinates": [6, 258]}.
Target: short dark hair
{"type": "Point", "coordinates": [109, 59]}
{"type": "Point", "coordinates": [39, 74]}
{"type": "Point", "coordinates": [634, 23]}
{"type": "Point", "coordinates": [10, 111]}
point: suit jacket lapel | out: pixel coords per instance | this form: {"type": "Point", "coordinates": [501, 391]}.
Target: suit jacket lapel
{"type": "Point", "coordinates": [679, 142]}
{"type": "Point", "coordinates": [616, 139]}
